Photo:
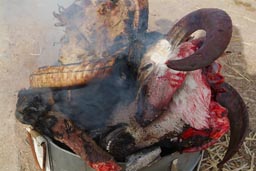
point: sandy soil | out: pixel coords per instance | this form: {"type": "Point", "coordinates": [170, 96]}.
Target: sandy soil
{"type": "Point", "coordinates": [28, 40]}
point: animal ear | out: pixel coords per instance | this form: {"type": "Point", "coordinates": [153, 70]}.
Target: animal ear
{"type": "Point", "coordinates": [218, 27]}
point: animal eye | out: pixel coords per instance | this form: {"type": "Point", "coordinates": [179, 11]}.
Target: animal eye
{"type": "Point", "coordinates": [147, 66]}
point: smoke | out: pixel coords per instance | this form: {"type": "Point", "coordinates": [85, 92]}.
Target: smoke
{"type": "Point", "coordinates": [96, 29]}
{"type": "Point", "coordinates": [92, 106]}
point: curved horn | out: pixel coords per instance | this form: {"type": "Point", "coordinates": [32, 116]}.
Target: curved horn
{"type": "Point", "coordinates": [238, 118]}
{"type": "Point", "coordinates": [218, 27]}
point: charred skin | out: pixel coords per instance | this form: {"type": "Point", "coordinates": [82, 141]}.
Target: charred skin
{"type": "Point", "coordinates": [119, 143]}
{"type": "Point", "coordinates": [218, 27]}
{"type": "Point", "coordinates": [43, 109]}
{"type": "Point", "coordinates": [89, 106]}
{"type": "Point", "coordinates": [33, 104]}
{"type": "Point", "coordinates": [216, 41]}
{"type": "Point", "coordinates": [96, 29]}
{"type": "Point", "coordinates": [216, 22]}
{"type": "Point", "coordinates": [58, 126]}
{"type": "Point", "coordinates": [35, 107]}
{"type": "Point", "coordinates": [62, 129]}
{"type": "Point", "coordinates": [121, 21]}
{"type": "Point", "coordinates": [70, 15]}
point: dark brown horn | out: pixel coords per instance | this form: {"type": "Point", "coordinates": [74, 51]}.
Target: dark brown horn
{"type": "Point", "coordinates": [218, 27]}
{"type": "Point", "coordinates": [238, 118]}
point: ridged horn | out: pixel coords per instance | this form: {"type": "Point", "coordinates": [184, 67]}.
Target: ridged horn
{"type": "Point", "coordinates": [238, 117]}
{"type": "Point", "coordinates": [218, 27]}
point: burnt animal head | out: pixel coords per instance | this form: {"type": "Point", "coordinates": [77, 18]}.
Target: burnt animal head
{"type": "Point", "coordinates": [158, 79]}
{"type": "Point", "coordinates": [175, 52]}
{"type": "Point", "coordinates": [32, 104]}
{"type": "Point", "coordinates": [91, 106]}
{"type": "Point", "coordinates": [100, 28]}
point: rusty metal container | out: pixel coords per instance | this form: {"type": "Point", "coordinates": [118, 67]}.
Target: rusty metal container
{"type": "Point", "coordinates": [49, 156]}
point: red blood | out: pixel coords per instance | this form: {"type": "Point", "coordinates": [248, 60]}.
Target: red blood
{"type": "Point", "coordinates": [164, 83]}
{"type": "Point", "coordinates": [190, 132]}
{"type": "Point", "coordinates": [106, 166]}
{"type": "Point", "coordinates": [218, 120]}
{"type": "Point", "coordinates": [188, 48]}
{"type": "Point", "coordinates": [163, 87]}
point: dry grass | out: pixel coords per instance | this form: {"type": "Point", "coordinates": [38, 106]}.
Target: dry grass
{"type": "Point", "coordinates": [244, 160]}
{"type": "Point", "coordinates": [235, 73]}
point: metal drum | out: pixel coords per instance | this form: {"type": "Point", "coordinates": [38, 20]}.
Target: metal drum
{"type": "Point", "coordinates": [49, 156]}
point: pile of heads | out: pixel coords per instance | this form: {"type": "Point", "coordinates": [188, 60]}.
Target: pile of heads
{"type": "Point", "coordinates": [120, 89]}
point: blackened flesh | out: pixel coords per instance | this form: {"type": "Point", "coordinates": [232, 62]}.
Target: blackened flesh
{"type": "Point", "coordinates": [91, 106]}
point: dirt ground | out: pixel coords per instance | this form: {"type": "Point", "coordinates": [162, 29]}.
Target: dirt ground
{"type": "Point", "coordinates": [28, 39]}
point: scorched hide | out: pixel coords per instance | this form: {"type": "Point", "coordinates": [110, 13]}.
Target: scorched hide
{"type": "Point", "coordinates": [111, 102]}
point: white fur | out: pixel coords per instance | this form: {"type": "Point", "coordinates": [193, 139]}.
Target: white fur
{"type": "Point", "coordinates": [192, 101]}
{"type": "Point", "coordinates": [160, 53]}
